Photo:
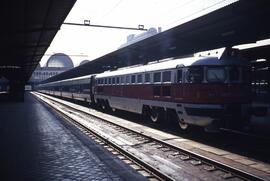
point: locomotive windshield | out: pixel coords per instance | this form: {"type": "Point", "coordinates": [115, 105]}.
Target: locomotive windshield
{"type": "Point", "coordinates": [216, 74]}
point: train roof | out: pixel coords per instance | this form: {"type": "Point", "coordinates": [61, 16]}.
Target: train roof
{"type": "Point", "coordinates": [78, 78]}
{"type": "Point", "coordinates": [82, 79]}
{"type": "Point", "coordinates": [174, 63]}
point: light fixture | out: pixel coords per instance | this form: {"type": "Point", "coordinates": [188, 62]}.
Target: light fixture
{"type": "Point", "coordinates": [140, 27]}
{"type": "Point", "coordinates": [87, 22]}
{"type": "Point", "coordinates": [10, 67]}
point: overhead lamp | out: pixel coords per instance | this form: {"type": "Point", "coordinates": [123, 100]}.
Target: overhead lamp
{"type": "Point", "coordinates": [140, 27]}
{"type": "Point", "coordinates": [87, 22]}
{"type": "Point", "coordinates": [10, 67]}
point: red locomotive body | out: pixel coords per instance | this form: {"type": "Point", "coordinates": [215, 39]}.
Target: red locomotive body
{"type": "Point", "coordinates": [200, 91]}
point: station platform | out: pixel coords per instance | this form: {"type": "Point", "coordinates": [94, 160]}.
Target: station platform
{"type": "Point", "coordinates": [36, 144]}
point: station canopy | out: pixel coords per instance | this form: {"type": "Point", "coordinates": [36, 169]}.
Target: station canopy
{"type": "Point", "coordinates": [28, 28]}
{"type": "Point", "coordinates": [244, 21]}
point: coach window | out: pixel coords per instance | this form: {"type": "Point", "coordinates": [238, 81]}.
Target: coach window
{"type": "Point", "coordinates": [113, 80]}
{"type": "Point", "coordinates": [194, 75]}
{"type": "Point", "coordinates": [179, 76]}
{"type": "Point", "coordinates": [133, 79]}
{"type": "Point", "coordinates": [147, 78]}
{"type": "Point", "coordinates": [166, 76]}
{"type": "Point", "coordinates": [139, 78]}
{"type": "Point", "coordinates": [105, 81]}
{"type": "Point", "coordinates": [157, 77]}
{"type": "Point", "coordinates": [117, 80]}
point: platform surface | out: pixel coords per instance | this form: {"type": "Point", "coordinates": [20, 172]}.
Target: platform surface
{"type": "Point", "coordinates": [36, 144]}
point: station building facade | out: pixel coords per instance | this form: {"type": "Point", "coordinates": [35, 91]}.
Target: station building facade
{"type": "Point", "coordinates": [56, 64]}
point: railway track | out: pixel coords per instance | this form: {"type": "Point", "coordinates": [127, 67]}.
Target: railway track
{"type": "Point", "coordinates": [155, 159]}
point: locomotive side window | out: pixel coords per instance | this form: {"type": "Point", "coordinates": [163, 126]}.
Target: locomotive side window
{"type": "Point", "coordinates": [127, 79]}
{"type": "Point", "coordinates": [122, 80]}
{"type": "Point", "coordinates": [234, 74]}
{"type": "Point", "coordinates": [133, 79]}
{"type": "Point", "coordinates": [147, 78]}
{"type": "Point", "coordinates": [139, 78]}
{"type": "Point", "coordinates": [166, 76]}
{"type": "Point", "coordinates": [216, 74]}
{"type": "Point", "coordinates": [179, 76]}
{"type": "Point", "coordinates": [157, 77]}
{"type": "Point", "coordinates": [195, 75]}
{"type": "Point", "coordinates": [110, 80]}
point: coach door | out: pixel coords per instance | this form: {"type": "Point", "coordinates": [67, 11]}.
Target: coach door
{"type": "Point", "coordinates": [92, 82]}
{"type": "Point", "coordinates": [179, 84]}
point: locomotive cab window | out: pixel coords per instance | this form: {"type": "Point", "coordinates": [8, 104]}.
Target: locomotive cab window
{"type": "Point", "coordinates": [216, 74]}
{"type": "Point", "coordinates": [194, 75]}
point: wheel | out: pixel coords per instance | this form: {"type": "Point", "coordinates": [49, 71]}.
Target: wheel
{"type": "Point", "coordinates": [156, 115]}
{"type": "Point", "coordinates": [183, 125]}
{"type": "Point", "coordinates": [103, 105]}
